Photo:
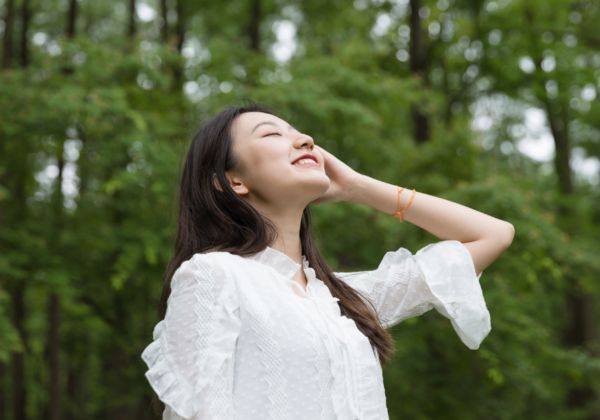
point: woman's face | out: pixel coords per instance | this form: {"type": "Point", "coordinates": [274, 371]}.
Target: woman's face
{"type": "Point", "coordinates": [266, 147]}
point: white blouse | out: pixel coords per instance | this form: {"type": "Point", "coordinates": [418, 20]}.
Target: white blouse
{"type": "Point", "coordinates": [237, 342]}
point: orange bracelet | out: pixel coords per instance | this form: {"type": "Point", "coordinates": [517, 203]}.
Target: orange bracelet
{"type": "Point", "coordinates": [400, 212]}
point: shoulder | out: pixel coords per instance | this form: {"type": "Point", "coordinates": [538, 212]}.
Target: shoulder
{"type": "Point", "coordinates": [206, 260]}
{"type": "Point", "coordinates": [208, 275]}
{"type": "Point", "coordinates": [212, 258]}
{"type": "Point", "coordinates": [211, 264]}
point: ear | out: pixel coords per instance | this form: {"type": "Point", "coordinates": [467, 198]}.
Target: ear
{"type": "Point", "coordinates": [235, 183]}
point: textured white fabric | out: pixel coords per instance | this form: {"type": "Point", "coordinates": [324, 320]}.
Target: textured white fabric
{"type": "Point", "coordinates": [238, 343]}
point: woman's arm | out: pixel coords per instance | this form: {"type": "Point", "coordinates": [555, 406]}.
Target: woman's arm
{"type": "Point", "coordinates": [485, 236]}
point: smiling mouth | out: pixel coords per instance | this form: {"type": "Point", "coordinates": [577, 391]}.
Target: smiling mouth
{"type": "Point", "coordinates": [306, 162]}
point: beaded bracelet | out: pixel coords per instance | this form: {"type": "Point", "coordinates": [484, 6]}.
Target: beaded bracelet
{"type": "Point", "coordinates": [400, 212]}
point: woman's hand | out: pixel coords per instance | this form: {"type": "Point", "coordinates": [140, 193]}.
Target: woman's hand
{"type": "Point", "coordinates": [342, 176]}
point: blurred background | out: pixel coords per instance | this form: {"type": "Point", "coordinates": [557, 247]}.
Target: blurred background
{"type": "Point", "coordinates": [494, 104]}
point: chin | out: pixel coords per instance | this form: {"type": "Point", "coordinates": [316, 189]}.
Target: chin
{"type": "Point", "coordinates": [324, 182]}
{"type": "Point", "coordinates": [315, 187]}
{"type": "Point", "coordinates": [316, 183]}
{"type": "Point", "coordinates": [324, 187]}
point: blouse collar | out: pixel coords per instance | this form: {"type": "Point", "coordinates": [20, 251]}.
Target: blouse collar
{"type": "Point", "coordinates": [287, 267]}
{"type": "Point", "coordinates": [280, 261]}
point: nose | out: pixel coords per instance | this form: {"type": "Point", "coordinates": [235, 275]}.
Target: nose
{"type": "Point", "coordinates": [304, 140]}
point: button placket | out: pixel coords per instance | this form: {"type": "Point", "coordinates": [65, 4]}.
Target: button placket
{"type": "Point", "coordinates": [331, 324]}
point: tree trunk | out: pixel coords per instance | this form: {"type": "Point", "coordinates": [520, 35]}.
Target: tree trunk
{"type": "Point", "coordinates": [581, 329]}
{"type": "Point", "coordinates": [73, 383]}
{"type": "Point", "coordinates": [164, 25]}
{"type": "Point", "coordinates": [77, 392]}
{"type": "Point", "coordinates": [3, 391]}
{"type": "Point", "coordinates": [254, 41]}
{"type": "Point", "coordinates": [25, 18]}
{"type": "Point", "coordinates": [417, 52]}
{"type": "Point", "coordinates": [19, 215]}
{"type": "Point", "coordinates": [3, 387]}
{"type": "Point", "coordinates": [18, 359]}
{"type": "Point", "coordinates": [131, 27]}
{"type": "Point", "coordinates": [179, 26]}
{"type": "Point", "coordinates": [71, 19]}
{"type": "Point", "coordinates": [53, 343]}
{"type": "Point", "coordinates": [254, 25]}
{"type": "Point", "coordinates": [560, 133]}
{"type": "Point", "coordinates": [7, 41]}
{"type": "Point", "coordinates": [70, 31]}
{"type": "Point", "coordinates": [54, 315]}
{"type": "Point", "coordinates": [179, 40]}
{"type": "Point", "coordinates": [54, 305]}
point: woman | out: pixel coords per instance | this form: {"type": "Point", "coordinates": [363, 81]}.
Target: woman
{"type": "Point", "coordinates": [256, 325]}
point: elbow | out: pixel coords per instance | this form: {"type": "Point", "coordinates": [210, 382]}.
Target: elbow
{"type": "Point", "coordinates": [506, 234]}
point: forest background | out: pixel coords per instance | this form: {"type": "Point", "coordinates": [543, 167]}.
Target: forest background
{"type": "Point", "coordinates": [494, 104]}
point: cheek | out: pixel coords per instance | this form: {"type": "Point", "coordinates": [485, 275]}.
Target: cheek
{"type": "Point", "coordinates": [258, 162]}
{"type": "Point", "coordinates": [274, 168]}
{"type": "Point", "coordinates": [272, 158]}
{"type": "Point", "coordinates": [268, 169]}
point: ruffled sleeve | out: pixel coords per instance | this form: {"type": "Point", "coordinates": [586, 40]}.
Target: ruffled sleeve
{"type": "Point", "coordinates": [441, 275]}
{"type": "Point", "coordinates": [190, 359]}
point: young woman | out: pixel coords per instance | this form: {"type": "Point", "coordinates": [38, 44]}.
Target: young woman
{"type": "Point", "coordinates": [256, 325]}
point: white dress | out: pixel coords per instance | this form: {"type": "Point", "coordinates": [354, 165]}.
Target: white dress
{"type": "Point", "coordinates": [238, 343]}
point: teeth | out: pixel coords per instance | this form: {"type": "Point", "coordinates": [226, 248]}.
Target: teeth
{"type": "Point", "coordinates": [303, 161]}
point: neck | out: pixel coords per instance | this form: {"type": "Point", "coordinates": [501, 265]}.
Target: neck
{"type": "Point", "coordinates": [287, 219]}
{"type": "Point", "coordinates": [288, 230]}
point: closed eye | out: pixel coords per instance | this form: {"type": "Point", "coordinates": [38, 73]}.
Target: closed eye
{"type": "Point", "coordinates": [271, 134]}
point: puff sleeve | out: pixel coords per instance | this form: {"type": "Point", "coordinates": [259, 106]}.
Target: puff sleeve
{"type": "Point", "coordinates": [191, 357]}
{"type": "Point", "coordinates": [440, 275]}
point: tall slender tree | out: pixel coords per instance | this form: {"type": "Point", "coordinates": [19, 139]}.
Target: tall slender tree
{"type": "Point", "coordinates": [164, 22]}
{"type": "Point", "coordinates": [131, 25]}
{"type": "Point", "coordinates": [255, 18]}
{"type": "Point", "coordinates": [7, 40]}
{"type": "Point", "coordinates": [418, 60]}
{"type": "Point", "coordinates": [25, 18]}
{"type": "Point", "coordinates": [581, 329]}
{"type": "Point", "coordinates": [54, 306]}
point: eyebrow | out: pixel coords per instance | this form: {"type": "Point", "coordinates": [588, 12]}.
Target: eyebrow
{"type": "Point", "coordinates": [290, 127]}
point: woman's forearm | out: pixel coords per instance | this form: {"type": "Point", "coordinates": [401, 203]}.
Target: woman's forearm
{"type": "Point", "coordinates": [443, 218]}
